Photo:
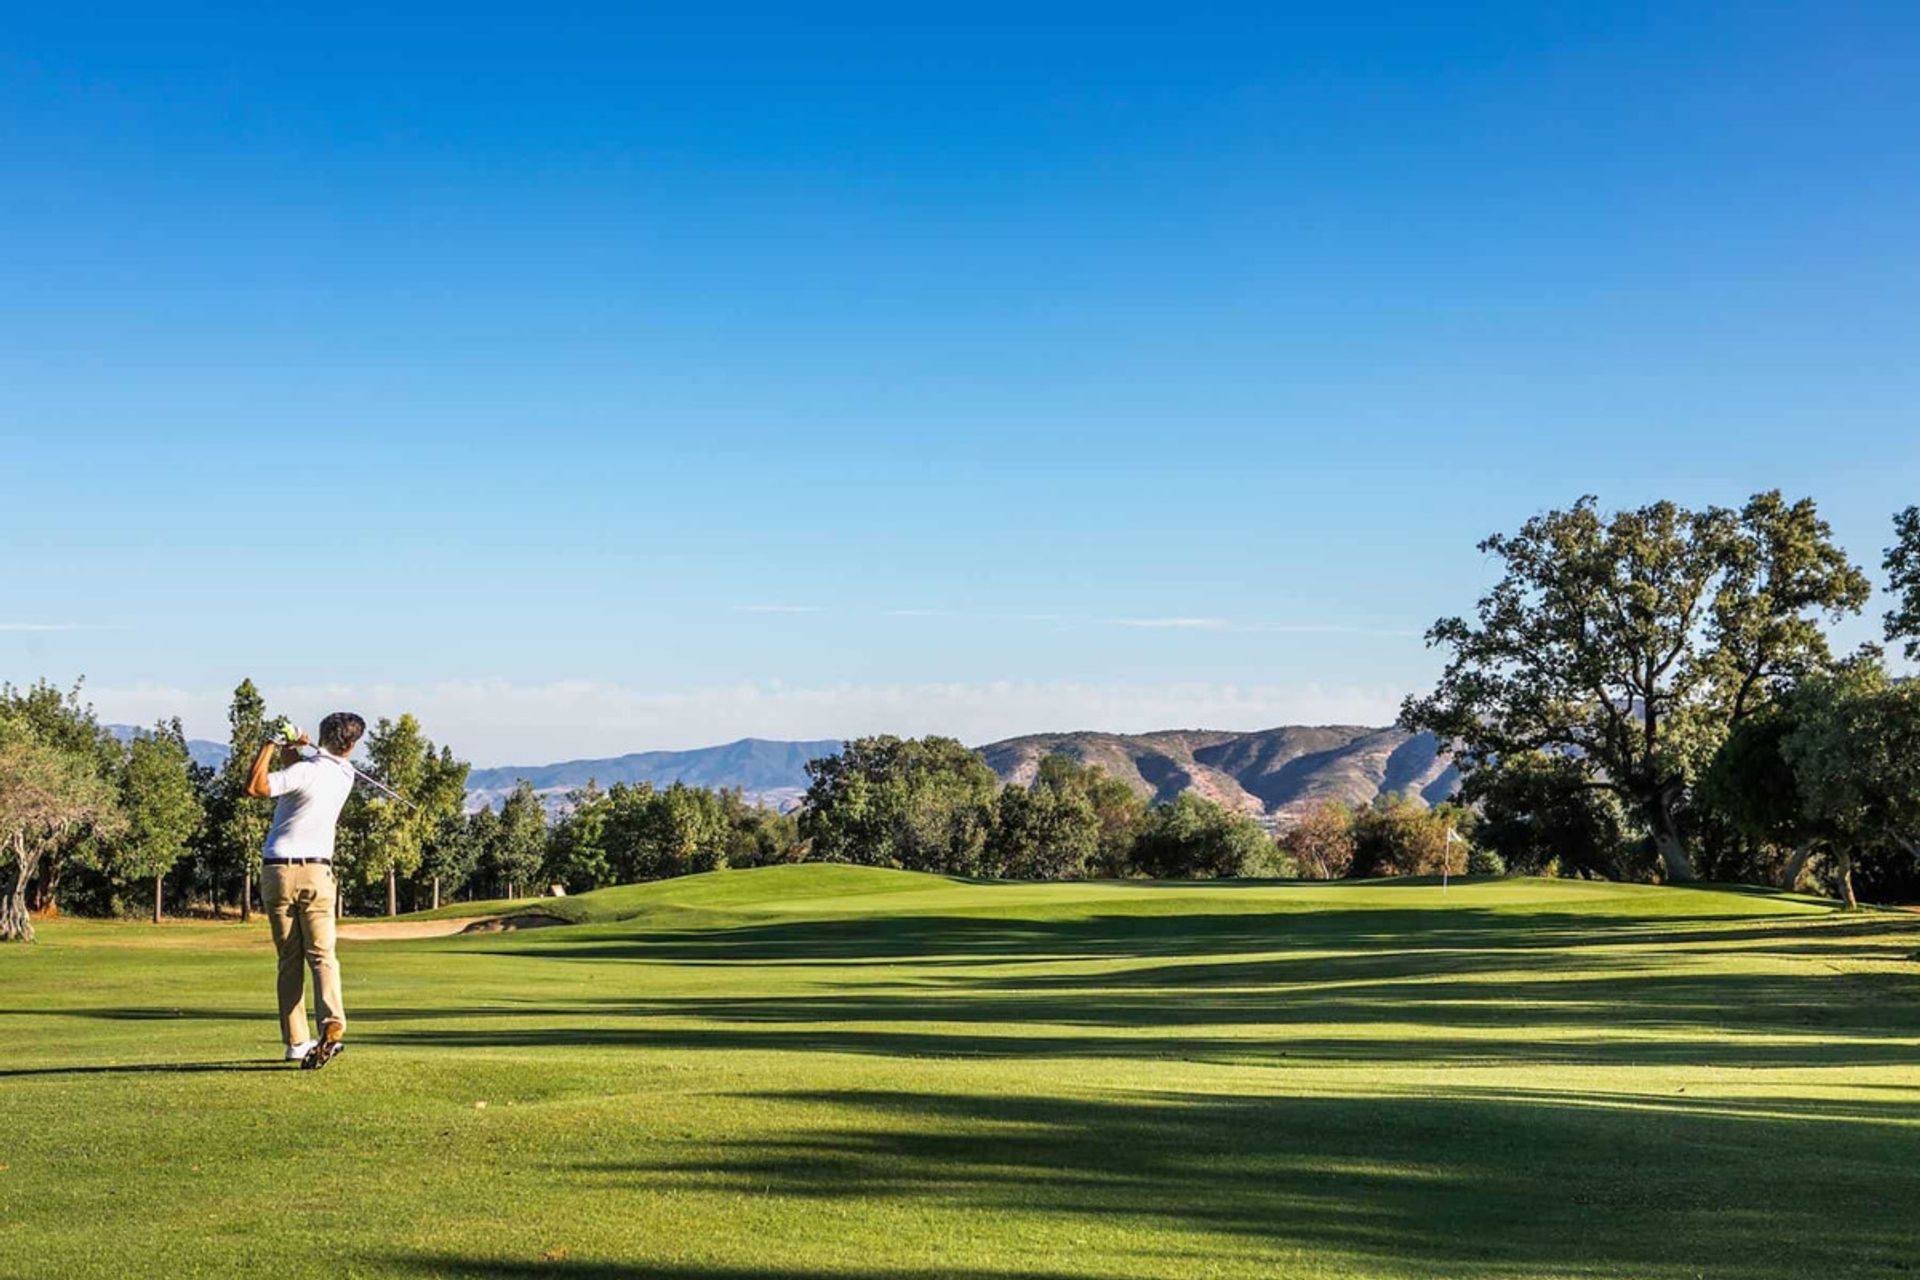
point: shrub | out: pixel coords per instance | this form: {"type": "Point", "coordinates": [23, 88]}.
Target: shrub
{"type": "Point", "coordinates": [1485, 862]}
{"type": "Point", "coordinates": [1192, 838]}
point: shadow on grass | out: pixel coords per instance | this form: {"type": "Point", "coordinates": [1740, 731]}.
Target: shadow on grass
{"type": "Point", "coordinates": [1361, 986]}
{"type": "Point", "coordinates": [451, 1266]}
{"type": "Point", "coordinates": [1451, 935]}
{"type": "Point", "coordinates": [1476, 1183]}
{"type": "Point", "coordinates": [1444, 988]}
{"type": "Point", "coordinates": [149, 1068]}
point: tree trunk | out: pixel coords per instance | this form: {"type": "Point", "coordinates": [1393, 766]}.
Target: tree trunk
{"type": "Point", "coordinates": [41, 894]}
{"type": "Point", "coordinates": [156, 899]}
{"type": "Point", "coordinates": [1846, 880]}
{"type": "Point", "coordinates": [246, 894]}
{"type": "Point", "coordinates": [393, 892]}
{"type": "Point", "coordinates": [436, 893]}
{"type": "Point", "coordinates": [1658, 801]}
{"type": "Point", "coordinates": [1673, 856]}
{"type": "Point", "coordinates": [1796, 867]}
{"type": "Point", "coordinates": [16, 924]}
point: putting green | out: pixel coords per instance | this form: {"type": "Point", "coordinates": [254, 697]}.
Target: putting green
{"type": "Point", "coordinates": [841, 1072]}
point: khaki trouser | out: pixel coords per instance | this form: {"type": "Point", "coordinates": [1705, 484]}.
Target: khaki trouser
{"type": "Point", "coordinates": [299, 904]}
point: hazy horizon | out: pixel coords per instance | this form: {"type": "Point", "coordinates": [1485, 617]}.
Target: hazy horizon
{"type": "Point", "coordinates": [458, 715]}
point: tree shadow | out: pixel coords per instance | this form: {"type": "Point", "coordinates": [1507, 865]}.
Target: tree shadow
{"type": "Point", "coordinates": [150, 1068]}
{"type": "Point", "coordinates": [1413, 986]}
{"type": "Point", "coordinates": [1122, 934]}
{"type": "Point", "coordinates": [1467, 1184]}
{"type": "Point", "coordinates": [477, 1268]}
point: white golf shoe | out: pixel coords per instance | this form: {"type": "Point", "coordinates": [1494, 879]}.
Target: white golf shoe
{"type": "Point", "coordinates": [296, 1052]}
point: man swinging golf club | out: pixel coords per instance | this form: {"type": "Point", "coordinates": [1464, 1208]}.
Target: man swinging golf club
{"type": "Point", "coordinates": [296, 882]}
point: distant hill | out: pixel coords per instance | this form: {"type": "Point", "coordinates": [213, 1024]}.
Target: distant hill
{"type": "Point", "coordinates": [204, 752]}
{"type": "Point", "coordinates": [1275, 774]}
{"type": "Point", "coordinates": [770, 773]}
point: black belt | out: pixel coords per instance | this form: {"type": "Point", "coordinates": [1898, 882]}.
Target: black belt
{"type": "Point", "coordinates": [297, 862]}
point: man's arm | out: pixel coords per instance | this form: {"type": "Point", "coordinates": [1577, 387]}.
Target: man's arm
{"type": "Point", "coordinates": [269, 755]}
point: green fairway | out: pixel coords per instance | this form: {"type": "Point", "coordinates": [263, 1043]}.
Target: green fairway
{"type": "Point", "coordinates": [818, 1071]}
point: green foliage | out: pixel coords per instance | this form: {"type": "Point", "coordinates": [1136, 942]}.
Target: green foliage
{"type": "Point", "coordinates": [239, 822]}
{"type": "Point", "coordinates": [634, 833]}
{"type": "Point", "coordinates": [673, 832]}
{"type": "Point", "coordinates": [1191, 837]}
{"type": "Point", "coordinates": [516, 842]}
{"type": "Point", "coordinates": [1752, 789]}
{"type": "Point", "coordinates": [920, 804]}
{"type": "Point", "coordinates": [1397, 836]}
{"type": "Point", "coordinates": [1540, 813]}
{"type": "Point", "coordinates": [578, 855]}
{"type": "Point", "coordinates": [164, 809]}
{"type": "Point", "coordinates": [480, 842]}
{"type": "Point", "coordinates": [1903, 580]}
{"type": "Point", "coordinates": [1485, 862]}
{"type": "Point", "coordinates": [1117, 808]}
{"type": "Point", "coordinates": [759, 836]}
{"type": "Point", "coordinates": [1630, 643]}
{"type": "Point", "coordinates": [452, 852]}
{"type": "Point", "coordinates": [1042, 834]}
{"type": "Point", "coordinates": [1854, 748]}
{"type": "Point", "coordinates": [61, 721]}
{"type": "Point", "coordinates": [1320, 844]}
{"type": "Point", "coordinates": [52, 791]}
{"type": "Point", "coordinates": [392, 837]}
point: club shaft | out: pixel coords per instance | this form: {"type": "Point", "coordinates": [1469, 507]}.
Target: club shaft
{"type": "Point", "coordinates": [374, 782]}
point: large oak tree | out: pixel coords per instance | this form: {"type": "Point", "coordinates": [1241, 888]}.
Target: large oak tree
{"type": "Point", "coordinates": [1629, 643]}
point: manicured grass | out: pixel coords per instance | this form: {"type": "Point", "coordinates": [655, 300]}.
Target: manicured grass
{"type": "Point", "coordinates": [831, 1071]}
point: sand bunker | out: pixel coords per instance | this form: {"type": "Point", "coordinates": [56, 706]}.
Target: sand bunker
{"type": "Point", "coordinates": [524, 920]}
{"type": "Point", "coordinates": [397, 930]}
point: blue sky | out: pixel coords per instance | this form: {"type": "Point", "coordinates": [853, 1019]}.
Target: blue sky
{"type": "Point", "coordinates": [601, 379]}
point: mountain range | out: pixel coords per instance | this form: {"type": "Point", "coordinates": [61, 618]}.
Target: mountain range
{"type": "Point", "coordinates": [1271, 774]}
{"type": "Point", "coordinates": [202, 751]}
{"type": "Point", "coordinates": [1275, 774]}
{"type": "Point", "coordinates": [770, 773]}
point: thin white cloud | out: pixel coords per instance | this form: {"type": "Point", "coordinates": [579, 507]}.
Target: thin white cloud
{"type": "Point", "coordinates": [1328, 629]}
{"type": "Point", "coordinates": [1176, 624]}
{"type": "Point", "coordinates": [502, 722]}
{"type": "Point", "coordinates": [57, 626]}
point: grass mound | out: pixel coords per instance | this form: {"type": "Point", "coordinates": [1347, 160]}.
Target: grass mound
{"type": "Point", "coordinates": [721, 891]}
{"type": "Point", "coordinates": [838, 889]}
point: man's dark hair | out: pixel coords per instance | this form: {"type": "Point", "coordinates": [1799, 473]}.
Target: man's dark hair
{"type": "Point", "coordinates": [340, 731]}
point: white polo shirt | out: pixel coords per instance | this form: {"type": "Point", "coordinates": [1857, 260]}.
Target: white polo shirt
{"type": "Point", "coordinates": [310, 795]}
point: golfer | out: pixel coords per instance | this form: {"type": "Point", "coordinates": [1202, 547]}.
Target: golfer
{"type": "Point", "coordinates": [296, 882]}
